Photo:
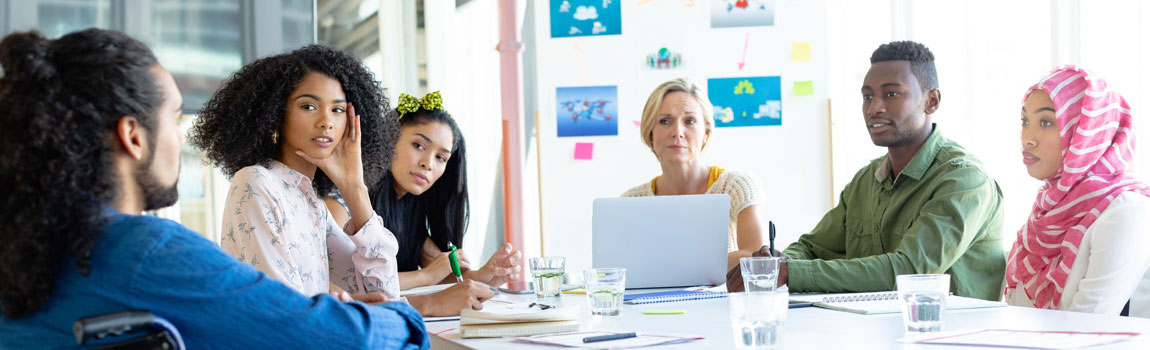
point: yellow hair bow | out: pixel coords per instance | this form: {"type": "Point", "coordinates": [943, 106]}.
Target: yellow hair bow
{"type": "Point", "coordinates": [409, 104]}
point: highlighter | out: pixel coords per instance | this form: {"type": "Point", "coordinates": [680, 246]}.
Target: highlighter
{"type": "Point", "coordinates": [454, 263]}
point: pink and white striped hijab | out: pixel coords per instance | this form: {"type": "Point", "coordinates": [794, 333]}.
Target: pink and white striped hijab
{"type": "Point", "coordinates": [1097, 148]}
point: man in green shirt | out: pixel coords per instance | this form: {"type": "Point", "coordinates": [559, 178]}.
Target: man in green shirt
{"type": "Point", "coordinates": [925, 207]}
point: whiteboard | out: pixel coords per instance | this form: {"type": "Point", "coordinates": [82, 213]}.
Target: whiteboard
{"type": "Point", "coordinates": [792, 160]}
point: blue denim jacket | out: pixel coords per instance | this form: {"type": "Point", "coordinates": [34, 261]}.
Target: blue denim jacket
{"type": "Point", "coordinates": [214, 300]}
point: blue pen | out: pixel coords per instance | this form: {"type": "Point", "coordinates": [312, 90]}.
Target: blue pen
{"type": "Point", "coordinates": [609, 337]}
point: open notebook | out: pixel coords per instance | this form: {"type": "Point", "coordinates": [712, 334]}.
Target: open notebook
{"type": "Point", "coordinates": [882, 302]}
{"type": "Point", "coordinates": [506, 317]}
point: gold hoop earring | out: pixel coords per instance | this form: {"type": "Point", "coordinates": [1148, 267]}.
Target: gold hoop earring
{"type": "Point", "coordinates": [276, 137]}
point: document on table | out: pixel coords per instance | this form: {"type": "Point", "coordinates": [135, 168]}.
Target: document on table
{"type": "Point", "coordinates": [508, 308]}
{"type": "Point", "coordinates": [505, 316]}
{"type": "Point", "coordinates": [883, 302]}
{"type": "Point", "coordinates": [435, 288]}
{"type": "Point", "coordinates": [1022, 339]}
{"type": "Point", "coordinates": [575, 340]}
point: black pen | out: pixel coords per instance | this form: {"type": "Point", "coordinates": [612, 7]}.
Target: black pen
{"type": "Point", "coordinates": [609, 337]}
{"type": "Point", "coordinates": [771, 235]}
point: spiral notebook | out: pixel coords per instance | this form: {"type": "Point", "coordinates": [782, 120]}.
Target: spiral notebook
{"type": "Point", "coordinates": [882, 302]}
{"type": "Point", "coordinates": [669, 296]}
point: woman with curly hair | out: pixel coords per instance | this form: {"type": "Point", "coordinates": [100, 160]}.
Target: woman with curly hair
{"type": "Point", "coordinates": [285, 128]}
{"type": "Point", "coordinates": [423, 199]}
{"type": "Point", "coordinates": [90, 140]}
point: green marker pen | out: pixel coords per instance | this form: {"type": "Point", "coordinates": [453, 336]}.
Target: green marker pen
{"type": "Point", "coordinates": [454, 263]}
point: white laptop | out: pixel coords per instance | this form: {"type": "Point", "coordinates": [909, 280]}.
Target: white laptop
{"type": "Point", "coordinates": [663, 241]}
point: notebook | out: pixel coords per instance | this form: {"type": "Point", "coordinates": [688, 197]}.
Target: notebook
{"type": "Point", "coordinates": [669, 296]}
{"type": "Point", "coordinates": [495, 330]}
{"type": "Point", "coordinates": [514, 318]}
{"type": "Point", "coordinates": [882, 302]}
{"type": "Point", "coordinates": [435, 288]}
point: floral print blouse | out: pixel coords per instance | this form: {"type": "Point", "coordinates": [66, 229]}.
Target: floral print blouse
{"type": "Point", "coordinates": [274, 220]}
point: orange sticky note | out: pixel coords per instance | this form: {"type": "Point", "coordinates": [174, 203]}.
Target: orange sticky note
{"type": "Point", "coordinates": [801, 52]}
{"type": "Point", "coordinates": [583, 150]}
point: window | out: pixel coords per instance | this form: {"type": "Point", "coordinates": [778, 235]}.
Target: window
{"type": "Point", "coordinates": [59, 17]}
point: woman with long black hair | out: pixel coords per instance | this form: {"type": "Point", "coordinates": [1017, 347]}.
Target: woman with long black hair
{"type": "Point", "coordinates": [422, 198]}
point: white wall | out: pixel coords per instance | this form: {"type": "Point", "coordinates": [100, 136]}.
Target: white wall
{"type": "Point", "coordinates": [984, 70]}
{"type": "Point", "coordinates": [790, 159]}
{"type": "Point", "coordinates": [463, 65]}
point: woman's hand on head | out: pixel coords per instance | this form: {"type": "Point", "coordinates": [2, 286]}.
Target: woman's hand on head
{"type": "Point", "coordinates": [345, 165]}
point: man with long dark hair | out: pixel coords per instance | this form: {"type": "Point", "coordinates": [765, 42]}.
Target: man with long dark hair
{"type": "Point", "coordinates": [89, 140]}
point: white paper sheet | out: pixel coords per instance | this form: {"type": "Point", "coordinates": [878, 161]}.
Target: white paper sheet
{"type": "Point", "coordinates": [575, 339]}
{"type": "Point", "coordinates": [1022, 339]}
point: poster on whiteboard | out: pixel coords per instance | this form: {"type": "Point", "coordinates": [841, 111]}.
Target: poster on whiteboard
{"type": "Point", "coordinates": [587, 111]}
{"type": "Point", "coordinates": [742, 13]}
{"type": "Point", "coordinates": [585, 18]}
{"type": "Point", "coordinates": [746, 101]}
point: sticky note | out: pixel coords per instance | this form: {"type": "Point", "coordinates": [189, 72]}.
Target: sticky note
{"type": "Point", "coordinates": [575, 291]}
{"type": "Point", "coordinates": [664, 312]}
{"type": "Point", "coordinates": [583, 150]}
{"type": "Point", "coordinates": [804, 88]}
{"type": "Point", "coordinates": [636, 123]}
{"type": "Point", "coordinates": [801, 52]}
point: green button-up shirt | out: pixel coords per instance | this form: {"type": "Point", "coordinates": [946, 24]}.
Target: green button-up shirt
{"type": "Point", "coordinates": [941, 214]}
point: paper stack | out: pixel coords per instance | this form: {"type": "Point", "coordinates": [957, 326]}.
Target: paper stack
{"type": "Point", "coordinates": [500, 318]}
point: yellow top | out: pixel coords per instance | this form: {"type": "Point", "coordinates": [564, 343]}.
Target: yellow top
{"type": "Point", "coordinates": [715, 172]}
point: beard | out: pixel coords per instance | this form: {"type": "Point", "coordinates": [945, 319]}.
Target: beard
{"type": "Point", "coordinates": [156, 194]}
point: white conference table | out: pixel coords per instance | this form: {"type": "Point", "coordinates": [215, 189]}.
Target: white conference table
{"type": "Point", "coordinates": [807, 328]}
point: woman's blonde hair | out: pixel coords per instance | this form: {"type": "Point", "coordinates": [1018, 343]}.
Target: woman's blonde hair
{"type": "Point", "coordinates": [655, 101]}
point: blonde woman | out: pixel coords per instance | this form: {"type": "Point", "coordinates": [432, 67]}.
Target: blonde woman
{"type": "Point", "coordinates": [676, 125]}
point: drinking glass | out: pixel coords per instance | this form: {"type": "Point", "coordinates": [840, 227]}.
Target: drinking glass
{"type": "Point", "coordinates": [924, 300]}
{"type": "Point", "coordinates": [760, 274]}
{"type": "Point", "coordinates": [548, 274]}
{"type": "Point", "coordinates": [757, 318]}
{"type": "Point", "coordinates": [604, 288]}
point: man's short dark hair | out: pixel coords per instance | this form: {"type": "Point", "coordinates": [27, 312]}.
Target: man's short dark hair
{"type": "Point", "coordinates": [920, 57]}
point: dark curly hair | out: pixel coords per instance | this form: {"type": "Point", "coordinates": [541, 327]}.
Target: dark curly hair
{"type": "Point", "coordinates": [61, 100]}
{"type": "Point", "coordinates": [236, 127]}
{"type": "Point", "coordinates": [920, 57]}
{"type": "Point", "coordinates": [441, 211]}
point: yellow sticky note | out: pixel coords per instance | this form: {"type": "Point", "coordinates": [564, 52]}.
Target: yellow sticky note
{"type": "Point", "coordinates": [575, 291]}
{"type": "Point", "coordinates": [801, 52]}
{"type": "Point", "coordinates": [804, 88]}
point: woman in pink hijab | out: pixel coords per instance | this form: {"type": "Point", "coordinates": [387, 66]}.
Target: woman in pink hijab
{"type": "Point", "coordinates": [1086, 244]}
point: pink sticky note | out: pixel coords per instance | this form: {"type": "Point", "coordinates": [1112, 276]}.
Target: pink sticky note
{"type": "Point", "coordinates": [583, 150]}
{"type": "Point", "coordinates": [636, 123]}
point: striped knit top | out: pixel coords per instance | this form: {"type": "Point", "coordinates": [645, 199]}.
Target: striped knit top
{"type": "Point", "coordinates": [743, 188]}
